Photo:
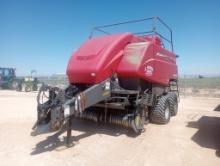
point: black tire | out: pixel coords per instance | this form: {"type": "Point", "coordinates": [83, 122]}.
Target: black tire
{"type": "Point", "coordinates": [19, 87]}
{"type": "Point", "coordinates": [14, 85]}
{"type": "Point", "coordinates": [160, 114]}
{"type": "Point", "coordinates": [27, 88]}
{"type": "Point", "coordinates": [173, 101]}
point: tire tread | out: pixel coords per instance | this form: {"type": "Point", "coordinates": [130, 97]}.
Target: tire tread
{"type": "Point", "coordinates": [158, 112]}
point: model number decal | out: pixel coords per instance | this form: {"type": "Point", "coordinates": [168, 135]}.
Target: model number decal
{"type": "Point", "coordinates": [164, 56]}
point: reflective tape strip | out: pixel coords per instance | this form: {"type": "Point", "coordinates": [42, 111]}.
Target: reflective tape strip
{"type": "Point", "coordinates": [84, 100]}
{"type": "Point", "coordinates": [81, 102]}
{"type": "Point", "coordinates": [76, 104]}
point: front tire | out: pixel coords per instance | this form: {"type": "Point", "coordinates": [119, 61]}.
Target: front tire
{"type": "Point", "coordinates": [160, 114]}
{"type": "Point", "coordinates": [27, 88]}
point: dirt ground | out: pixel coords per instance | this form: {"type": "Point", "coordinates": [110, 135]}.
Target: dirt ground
{"type": "Point", "coordinates": [191, 138]}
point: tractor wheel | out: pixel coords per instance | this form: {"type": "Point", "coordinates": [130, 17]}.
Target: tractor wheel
{"type": "Point", "coordinates": [173, 101]}
{"type": "Point", "coordinates": [27, 88]}
{"type": "Point", "coordinates": [160, 114]}
{"type": "Point", "coordinates": [14, 85]}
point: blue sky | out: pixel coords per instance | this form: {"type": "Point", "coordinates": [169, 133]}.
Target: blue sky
{"type": "Point", "coordinates": [42, 34]}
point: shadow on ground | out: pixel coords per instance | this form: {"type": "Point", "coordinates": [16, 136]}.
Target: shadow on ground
{"type": "Point", "coordinates": [217, 108]}
{"type": "Point", "coordinates": [88, 128]}
{"type": "Point", "coordinates": [208, 134]}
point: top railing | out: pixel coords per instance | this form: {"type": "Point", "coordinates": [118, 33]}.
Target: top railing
{"type": "Point", "coordinates": [152, 31]}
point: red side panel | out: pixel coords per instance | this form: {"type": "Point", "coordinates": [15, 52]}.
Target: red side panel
{"type": "Point", "coordinates": [165, 67]}
{"type": "Point", "coordinates": [148, 61]}
{"type": "Point", "coordinates": [97, 58]}
{"type": "Point", "coordinates": [134, 55]}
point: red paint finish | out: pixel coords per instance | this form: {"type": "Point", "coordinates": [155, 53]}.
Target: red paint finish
{"type": "Point", "coordinates": [123, 54]}
{"type": "Point", "coordinates": [97, 59]}
{"type": "Point", "coordinates": [148, 61]}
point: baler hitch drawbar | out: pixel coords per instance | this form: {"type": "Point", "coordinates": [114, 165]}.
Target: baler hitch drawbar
{"type": "Point", "coordinates": [56, 108]}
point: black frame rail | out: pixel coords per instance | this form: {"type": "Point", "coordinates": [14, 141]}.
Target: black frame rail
{"type": "Point", "coordinates": [152, 31]}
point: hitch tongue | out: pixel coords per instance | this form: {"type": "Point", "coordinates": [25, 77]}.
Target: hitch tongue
{"type": "Point", "coordinates": [49, 109]}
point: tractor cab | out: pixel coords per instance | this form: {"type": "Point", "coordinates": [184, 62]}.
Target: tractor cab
{"type": "Point", "coordinates": [7, 75]}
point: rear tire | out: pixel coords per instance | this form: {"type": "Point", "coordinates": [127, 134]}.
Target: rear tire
{"type": "Point", "coordinates": [23, 87]}
{"type": "Point", "coordinates": [173, 101]}
{"type": "Point", "coordinates": [14, 85]}
{"type": "Point", "coordinates": [160, 114]}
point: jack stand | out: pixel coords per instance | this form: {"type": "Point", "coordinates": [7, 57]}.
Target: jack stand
{"type": "Point", "coordinates": [69, 132]}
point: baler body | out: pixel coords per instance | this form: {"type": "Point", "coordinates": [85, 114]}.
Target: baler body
{"type": "Point", "coordinates": [125, 55]}
{"type": "Point", "coordinates": [125, 79]}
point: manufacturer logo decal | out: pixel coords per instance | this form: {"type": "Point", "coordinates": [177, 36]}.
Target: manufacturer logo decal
{"type": "Point", "coordinates": [148, 70]}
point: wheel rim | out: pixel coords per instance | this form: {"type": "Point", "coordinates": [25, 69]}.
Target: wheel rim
{"type": "Point", "coordinates": [167, 113]}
